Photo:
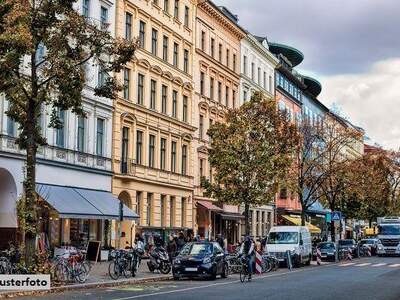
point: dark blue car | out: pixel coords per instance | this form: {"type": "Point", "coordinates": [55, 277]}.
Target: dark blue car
{"type": "Point", "coordinates": [200, 259]}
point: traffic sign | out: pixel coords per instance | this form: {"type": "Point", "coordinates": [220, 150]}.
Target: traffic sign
{"type": "Point", "coordinates": [336, 216]}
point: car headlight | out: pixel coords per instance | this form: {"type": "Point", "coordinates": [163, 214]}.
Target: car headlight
{"type": "Point", "coordinates": [207, 260]}
{"type": "Point", "coordinates": [380, 247]}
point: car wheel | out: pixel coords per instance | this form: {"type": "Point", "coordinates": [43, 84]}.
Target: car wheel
{"type": "Point", "coordinates": [214, 274]}
{"type": "Point", "coordinates": [225, 272]}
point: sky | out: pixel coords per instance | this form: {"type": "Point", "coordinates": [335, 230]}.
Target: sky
{"type": "Point", "coordinates": [351, 46]}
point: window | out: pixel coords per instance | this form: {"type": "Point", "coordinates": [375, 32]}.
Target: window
{"type": "Point", "coordinates": [124, 150]}
{"type": "Point", "coordinates": [233, 99]}
{"type": "Point", "coordinates": [212, 47]}
{"type": "Point", "coordinates": [234, 62]}
{"type": "Point", "coordinates": [104, 17]}
{"type": "Point", "coordinates": [211, 88]}
{"type": "Point", "coordinates": [186, 20]}
{"type": "Point", "coordinates": [184, 159]}
{"type": "Point", "coordinates": [202, 83]}
{"type": "Point", "coordinates": [128, 26]}
{"type": "Point", "coordinates": [139, 147]}
{"type": "Point", "coordinates": [154, 41]}
{"type": "Point", "coordinates": [283, 193]}
{"type": "Point", "coordinates": [220, 52]}
{"type": "Point", "coordinates": [201, 127]}
{"type": "Point", "coordinates": [100, 137]}
{"type": "Point", "coordinates": [185, 109]}
{"type": "Point", "coordinates": [163, 200]}
{"type": "Point", "coordinates": [139, 204]}
{"type": "Point", "coordinates": [227, 57]}
{"type": "Point", "coordinates": [172, 211]}
{"type": "Point", "coordinates": [173, 156]}
{"type": "Point", "coordinates": [210, 173]}
{"type": "Point", "coordinates": [163, 153]}
{"type": "Point", "coordinates": [142, 34]}
{"type": "Point", "coordinates": [226, 96]}
{"type": "Point", "coordinates": [166, 6]}
{"type": "Point", "coordinates": [176, 9]}
{"type": "Point", "coordinates": [245, 65]}
{"type": "Point", "coordinates": [81, 134]}
{"type": "Point", "coordinates": [140, 91]}
{"type": "Point", "coordinates": [165, 48]}
{"type": "Point", "coordinates": [270, 84]}
{"type": "Point", "coordinates": [176, 53]}
{"type": "Point", "coordinates": [210, 123]}
{"type": "Point", "coordinates": [244, 96]}
{"type": "Point", "coordinates": [186, 60]}
{"type": "Point", "coordinates": [174, 103]}
{"type": "Point", "coordinates": [149, 210]}
{"type": "Point", "coordinates": [203, 40]}
{"type": "Point", "coordinates": [201, 168]}
{"type": "Point", "coordinates": [265, 80]}
{"type": "Point", "coordinates": [259, 76]}
{"type": "Point", "coordinates": [183, 212]}
{"type": "Point", "coordinates": [252, 71]}
{"type": "Point", "coordinates": [219, 92]}
{"type": "Point", "coordinates": [85, 8]}
{"type": "Point", "coordinates": [126, 83]}
{"type": "Point", "coordinates": [60, 140]}
{"type": "Point", "coordinates": [164, 91]}
{"type": "Point", "coordinates": [101, 77]}
{"type": "Point", "coordinates": [152, 144]}
{"type": "Point", "coordinates": [153, 88]}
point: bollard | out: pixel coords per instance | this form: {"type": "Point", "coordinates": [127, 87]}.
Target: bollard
{"type": "Point", "coordinates": [319, 258]}
{"type": "Point", "coordinates": [258, 262]}
{"type": "Point", "coordinates": [369, 251]}
{"type": "Point", "coordinates": [289, 260]}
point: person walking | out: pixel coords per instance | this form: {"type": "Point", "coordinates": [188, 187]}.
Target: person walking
{"type": "Point", "coordinates": [247, 249]}
{"type": "Point", "coordinates": [171, 247]}
{"type": "Point", "coordinates": [181, 241]}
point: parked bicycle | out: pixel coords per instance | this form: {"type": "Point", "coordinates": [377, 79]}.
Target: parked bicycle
{"type": "Point", "coordinates": [71, 268]}
{"type": "Point", "coordinates": [234, 264]}
{"type": "Point", "coordinates": [269, 263]}
{"type": "Point", "coordinates": [9, 262]}
{"type": "Point", "coordinates": [124, 263]}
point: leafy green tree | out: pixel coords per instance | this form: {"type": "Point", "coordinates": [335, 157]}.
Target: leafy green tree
{"type": "Point", "coordinates": [55, 77]}
{"type": "Point", "coordinates": [250, 154]}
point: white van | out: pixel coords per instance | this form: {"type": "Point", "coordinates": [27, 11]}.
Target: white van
{"type": "Point", "coordinates": [297, 239]}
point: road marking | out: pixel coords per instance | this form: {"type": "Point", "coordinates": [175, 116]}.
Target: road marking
{"type": "Point", "coordinates": [379, 265]}
{"type": "Point", "coordinates": [362, 265]}
{"type": "Point", "coordinates": [347, 264]}
{"type": "Point", "coordinates": [394, 265]}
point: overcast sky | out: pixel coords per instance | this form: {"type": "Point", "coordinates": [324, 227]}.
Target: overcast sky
{"type": "Point", "coordinates": [351, 46]}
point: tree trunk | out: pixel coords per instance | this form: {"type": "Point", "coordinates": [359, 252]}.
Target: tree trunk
{"type": "Point", "coordinates": [303, 216]}
{"type": "Point", "coordinates": [247, 219]}
{"type": "Point", "coordinates": [333, 235]}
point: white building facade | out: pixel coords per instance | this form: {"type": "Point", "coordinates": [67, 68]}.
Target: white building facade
{"type": "Point", "coordinates": [257, 74]}
{"type": "Point", "coordinates": [77, 156]}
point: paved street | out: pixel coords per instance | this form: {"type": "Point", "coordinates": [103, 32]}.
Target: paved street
{"type": "Point", "coordinates": [369, 278]}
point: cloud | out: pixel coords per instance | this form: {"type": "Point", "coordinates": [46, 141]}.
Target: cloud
{"type": "Point", "coordinates": [370, 100]}
{"type": "Point", "coordinates": [337, 36]}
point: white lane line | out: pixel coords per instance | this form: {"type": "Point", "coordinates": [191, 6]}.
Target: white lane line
{"type": "Point", "coordinates": [394, 266]}
{"type": "Point", "coordinates": [347, 264]}
{"type": "Point", "coordinates": [379, 265]}
{"type": "Point", "coordinates": [362, 265]}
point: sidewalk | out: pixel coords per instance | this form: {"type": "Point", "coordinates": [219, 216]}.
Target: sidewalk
{"type": "Point", "coordinates": [98, 277]}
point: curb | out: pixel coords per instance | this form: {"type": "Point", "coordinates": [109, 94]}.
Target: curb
{"type": "Point", "coordinates": [13, 294]}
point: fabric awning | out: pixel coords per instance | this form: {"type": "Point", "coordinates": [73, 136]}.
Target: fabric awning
{"type": "Point", "coordinates": [208, 205]}
{"type": "Point", "coordinates": [79, 203]}
{"type": "Point", "coordinates": [297, 221]}
{"type": "Point", "coordinates": [231, 216]}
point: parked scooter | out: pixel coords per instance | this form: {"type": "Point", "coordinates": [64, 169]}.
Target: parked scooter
{"type": "Point", "coordinates": [159, 260]}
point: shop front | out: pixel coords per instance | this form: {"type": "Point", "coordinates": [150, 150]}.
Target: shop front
{"type": "Point", "coordinates": [72, 216]}
{"type": "Point", "coordinates": [206, 213]}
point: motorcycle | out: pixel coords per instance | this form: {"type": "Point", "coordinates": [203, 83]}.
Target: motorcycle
{"type": "Point", "coordinates": [159, 260]}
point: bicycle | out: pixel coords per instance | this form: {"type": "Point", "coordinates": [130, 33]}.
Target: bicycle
{"type": "Point", "coordinates": [269, 263]}
{"type": "Point", "coordinates": [234, 265]}
{"type": "Point", "coordinates": [124, 262]}
{"type": "Point", "coordinates": [71, 268]}
{"type": "Point", "coordinates": [244, 271]}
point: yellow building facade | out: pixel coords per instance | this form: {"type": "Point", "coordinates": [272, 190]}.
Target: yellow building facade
{"type": "Point", "coordinates": [153, 128]}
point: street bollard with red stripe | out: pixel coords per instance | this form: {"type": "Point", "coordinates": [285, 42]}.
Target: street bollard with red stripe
{"type": "Point", "coordinates": [369, 251]}
{"type": "Point", "coordinates": [349, 255]}
{"type": "Point", "coordinates": [319, 258]}
{"type": "Point", "coordinates": [258, 262]}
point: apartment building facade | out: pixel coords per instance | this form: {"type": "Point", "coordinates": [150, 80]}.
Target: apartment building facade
{"type": "Point", "coordinates": [153, 120]}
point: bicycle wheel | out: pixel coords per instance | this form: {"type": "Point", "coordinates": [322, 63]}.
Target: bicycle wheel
{"type": "Point", "coordinates": [267, 265]}
{"type": "Point", "coordinates": [114, 270]}
{"type": "Point", "coordinates": [243, 274]}
{"type": "Point", "coordinates": [81, 273]}
{"type": "Point", "coordinates": [61, 272]}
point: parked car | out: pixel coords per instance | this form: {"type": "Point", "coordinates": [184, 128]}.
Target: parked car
{"type": "Point", "coordinates": [348, 244]}
{"type": "Point", "coordinates": [200, 259]}
{"type": "Point", "coordinates": [372, 243]}
{"type": "Point", "coordinates": [328, 250]}
{"type": "Point", "coordinates": [296, 239]}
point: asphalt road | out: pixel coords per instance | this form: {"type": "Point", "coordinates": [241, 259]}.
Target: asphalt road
{"type": "Point", "coordinates": [369, 278]}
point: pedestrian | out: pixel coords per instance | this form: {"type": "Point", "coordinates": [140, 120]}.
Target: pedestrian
{"type": "Point", "coordinates": [181, 241]}
{"type": "Point", "coordinates": [171, 247]}
{"type": "Point", "coordinates": [220, 240]}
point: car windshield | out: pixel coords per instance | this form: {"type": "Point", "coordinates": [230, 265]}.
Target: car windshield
{"type": "Point", "coordinates": [389, 229]}
{"type": "Point", "coordinates": [196, 249]}
{"type": "Point", "coordinates": [367, 242]}
{"type": "Point", "coordinates": [326, 246]}
{"type": "Point", "coordinates": [346, 242]}
{"type": "Point", "coordinates": [283, 238]}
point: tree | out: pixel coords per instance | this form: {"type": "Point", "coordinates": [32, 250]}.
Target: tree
{"type": "Point", "coordinates": [31, 78]}
{"type": "Point", "coordinates": [250, 153]}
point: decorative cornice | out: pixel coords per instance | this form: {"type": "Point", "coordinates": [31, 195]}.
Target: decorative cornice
{"type": "Point", "coordinates": [262, 50]}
